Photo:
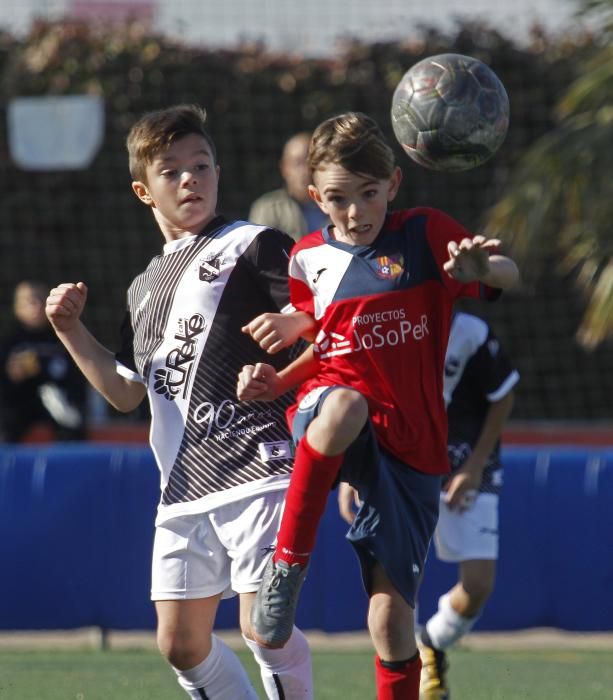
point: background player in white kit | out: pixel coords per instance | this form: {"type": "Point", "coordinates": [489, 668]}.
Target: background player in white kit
{"type": "Point", "coordinates": [224, 467]}
{"type": "Point", "coordinates": [478, 386]}
{"type": "Point", "coordinates": [479, 392]}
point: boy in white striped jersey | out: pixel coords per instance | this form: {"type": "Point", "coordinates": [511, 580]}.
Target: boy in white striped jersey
{"type": "Point", "coordinates": [224, 468]}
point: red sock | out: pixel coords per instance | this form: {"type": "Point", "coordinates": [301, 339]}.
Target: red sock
{"type": "Point", "coordinates": [309, 486]}
{"type": "Point", "coordinates": [398, 680]}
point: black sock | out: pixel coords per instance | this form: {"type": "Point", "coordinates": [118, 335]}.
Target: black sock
{"type": "Point", "coordinates": [398, 665]}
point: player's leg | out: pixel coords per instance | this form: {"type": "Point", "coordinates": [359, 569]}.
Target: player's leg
{"type": "Point", "coordinates": [190, 572]}
{"type": "Point", "coordinates": [247, 529]}
{"type": "Point", "coordinates": [341, 416]}
{"type": "Point", "coordinates": [286, 672]}
{"type": "Point", "coordinates": [471, 540]}
{"type": "Point", "coordinates": [204, 665]}
{"type": "Point", "coordinates": [326, 424]}
{"type": "Point", "coordinates": [391, 627]}
{"type": "Point", "coordinates": [391, 533]}
{"type": "Point", "coordinates": [459, 608]}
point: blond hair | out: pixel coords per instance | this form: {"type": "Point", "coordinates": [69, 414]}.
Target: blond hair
{"type": "Point", "coordinates": [354, 141]}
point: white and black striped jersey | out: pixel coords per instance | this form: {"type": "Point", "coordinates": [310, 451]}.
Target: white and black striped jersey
{"type": "Point", "coordinates": [182, 338]}
{"type": "Point", "coordinates": [477, 372]}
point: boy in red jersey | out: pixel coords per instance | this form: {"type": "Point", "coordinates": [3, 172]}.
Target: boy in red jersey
{"type": "Point", "coordinates": [380, 287]}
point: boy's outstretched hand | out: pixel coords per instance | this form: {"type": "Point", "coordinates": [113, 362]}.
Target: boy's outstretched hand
{"type": "Point", "coordinates": [469, 259]}
{"type": "Point", "coordinates": [257, 383]}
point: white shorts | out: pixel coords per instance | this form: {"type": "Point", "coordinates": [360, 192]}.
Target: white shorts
{"type": "Point", "coordinates": [223, 550]}
{"type": "Point", "coordinates": [470, 535]}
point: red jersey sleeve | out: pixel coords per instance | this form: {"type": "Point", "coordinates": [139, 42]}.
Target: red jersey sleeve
{"type": "Point", "coordinates": [300, 292]}
{"type": "Point", "coordinates": [441, 229]}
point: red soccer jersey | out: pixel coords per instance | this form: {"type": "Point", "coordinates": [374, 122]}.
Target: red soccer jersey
{"type": "Point", "coordinates": [383, 313]}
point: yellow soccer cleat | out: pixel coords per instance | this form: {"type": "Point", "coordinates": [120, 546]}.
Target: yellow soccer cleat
{"type": "Point", "coordinates": [433, 683]}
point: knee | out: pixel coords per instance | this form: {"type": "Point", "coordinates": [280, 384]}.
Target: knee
{"type": "Point", "coordinates": [344, 412]}
{"type": "Point", "coordinates": [181, 649]}
{"type": "Point", "coordinates": [391, 624]}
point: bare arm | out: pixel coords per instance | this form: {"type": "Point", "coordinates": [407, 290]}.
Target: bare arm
{"type": "Point", "coordinates": [65, 305]}
{"type": "Point", "coordinates": [468, 477]}
{"type": "Point", "coordinates": [275, 331]}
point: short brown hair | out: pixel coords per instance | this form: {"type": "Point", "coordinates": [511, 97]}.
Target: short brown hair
{"type": "Point", "coordinates": [156, 131]}
{"type": "Point", "coordinates": [354, 141]}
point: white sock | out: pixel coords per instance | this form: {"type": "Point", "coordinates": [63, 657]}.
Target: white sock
{"type": "Point", "coordinates": [220, 676]}
{"type": "Point", "coordinates": [286, 673]}
{"type": "Point", "coordinates": [446, 626]}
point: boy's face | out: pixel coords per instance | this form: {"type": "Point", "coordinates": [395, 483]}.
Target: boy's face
{"type": "Point", "coordinates": [181, 187]}
{"type": "Point", "coordinates": [356, 204]}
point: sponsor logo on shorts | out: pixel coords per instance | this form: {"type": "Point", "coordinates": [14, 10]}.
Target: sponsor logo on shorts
{"type": "Point", "coordinates": [270, 451]}
{"type": "Point", "coordinates": [488, 531]}
{"type": "Point", "coordinates": [310, 399]}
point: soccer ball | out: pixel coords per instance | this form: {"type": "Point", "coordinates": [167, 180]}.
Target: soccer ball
{"type": "Point", "coordinates": [450, 112]}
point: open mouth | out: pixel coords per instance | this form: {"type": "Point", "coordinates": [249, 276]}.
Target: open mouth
{"type": "Point", "coordinates": [190, 198]}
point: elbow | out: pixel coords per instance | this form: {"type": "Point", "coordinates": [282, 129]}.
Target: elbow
{"type": "Point", "coordinates": [124, 407]}
{"type": "Point", "coordinates": [127, 401]}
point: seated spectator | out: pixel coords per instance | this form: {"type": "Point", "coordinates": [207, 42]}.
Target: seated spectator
{"type": "Point", "coordinates": [39, 382]}
{"type": "Point", "coordinates": [291, 209]}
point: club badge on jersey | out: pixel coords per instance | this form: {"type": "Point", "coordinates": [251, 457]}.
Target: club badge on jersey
{"type": "Point", "coordinates": [389, 266]}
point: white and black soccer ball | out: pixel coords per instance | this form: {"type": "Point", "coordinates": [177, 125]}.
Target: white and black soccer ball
{"type": "Point", "coordinates": [450, 112]}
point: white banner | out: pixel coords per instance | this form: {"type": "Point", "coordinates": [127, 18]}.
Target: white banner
{"type": "Point", "coordinates": [62, 132]}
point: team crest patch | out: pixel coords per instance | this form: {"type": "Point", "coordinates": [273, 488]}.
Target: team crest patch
{"type": "Point", "coordinates": [208, 268]}
{"type": "Point", "coordinates": [389, 266]}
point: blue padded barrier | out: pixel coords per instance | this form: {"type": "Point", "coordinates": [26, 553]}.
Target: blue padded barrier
{"type": "Point", "coordinates": [76, 529]}
{"type": "Point", "coordinates": [556, 543]}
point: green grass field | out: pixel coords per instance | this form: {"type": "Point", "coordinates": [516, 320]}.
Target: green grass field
{"type": "Point", "coordinates": [142, 675]}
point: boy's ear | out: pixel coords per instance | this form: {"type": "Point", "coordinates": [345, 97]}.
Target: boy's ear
{"type": "Point", "coordinates": [316, 197]}
{"type": "Point", "coordinates": [395, 181]}
{"type": "Point", "coordinates": [141, 191]}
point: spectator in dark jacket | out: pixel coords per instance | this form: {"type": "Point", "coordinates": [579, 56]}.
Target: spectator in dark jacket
{"type": "Point", "coordinates": [39, 382]}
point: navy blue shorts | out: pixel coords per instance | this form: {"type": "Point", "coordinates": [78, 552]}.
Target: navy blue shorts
{"type": "Point", "coordinates": [399, 510]}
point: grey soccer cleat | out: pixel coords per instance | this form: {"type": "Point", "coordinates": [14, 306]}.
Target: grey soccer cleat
{"type": "Point", "coordinates": [274, 608]}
